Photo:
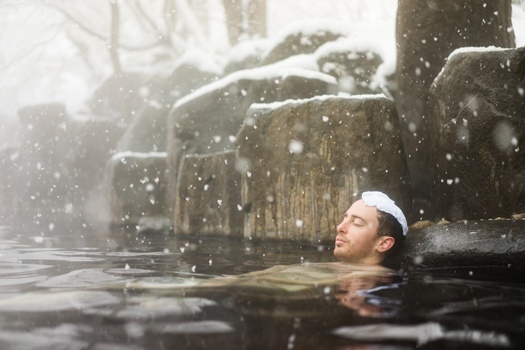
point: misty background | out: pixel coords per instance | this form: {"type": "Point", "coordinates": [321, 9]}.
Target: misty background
{"type": "Point", "coordinates": [57, 51]}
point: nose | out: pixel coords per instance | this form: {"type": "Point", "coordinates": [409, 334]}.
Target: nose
{"type": "Point", "coordinates": [341, 228]}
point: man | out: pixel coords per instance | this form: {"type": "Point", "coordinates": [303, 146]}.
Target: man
{"type": "Point", "coordinates": [372, 228]}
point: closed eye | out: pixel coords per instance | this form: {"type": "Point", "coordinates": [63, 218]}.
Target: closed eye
{"type": "Point", "coordinates": [357, 221]}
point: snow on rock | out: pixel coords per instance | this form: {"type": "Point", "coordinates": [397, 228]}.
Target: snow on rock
{"type": "Point", "coordinates": [245, 55]}
{"type": "Point", "coordinates": [201, 60]}
{"type": "Point", "coordinates": [354, 62]}
{"type": "Point", "coordinates": [207, 120]}
{"type": "Point", "coordinates": [272, 71]}
{"type": "Point", "coordinates": [304, 38]}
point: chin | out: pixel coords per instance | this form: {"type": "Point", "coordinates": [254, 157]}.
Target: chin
{"type": "Point", "coordinates": [340, 255]}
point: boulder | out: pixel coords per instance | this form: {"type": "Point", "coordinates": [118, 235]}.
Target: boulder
{"type": "Point", "coordinates": [207, 121]}
{"type": "Point", "coordinates": [147, 130]}
{"type": "Point", "coordinates": [304, 163]}
{"type": "Point", "coordinates": [147, 133]}
{"type": "Point", "coordinates": [41, 180]}
{"type": "Point", "coordinates": [354, 63]}
{"type": "Point", "coordinates": [209, 196]}
{"type": "Point", "coordinates": [426, 34]}
{"type": "Point", "coordinates": [192, 71]}
{"type": "Point", "coordinates": [302, 39]}
{"type": "Point", "coordinates": [246, 55]}
{"type": "Point", "coordinates": [60, 162]}
{"type": "Point", "coordinates": [479, 130]}
{"type": "Point", "coordinates": [94, 141]}
{"type": "Point", "coordinates": [136, 187]}
{"type": "Point", "coordinates": [120, 96]}
{"type": "Point", "coordinates": [8, 193]}
{"type": "Point", "coordinates": [498, 244]}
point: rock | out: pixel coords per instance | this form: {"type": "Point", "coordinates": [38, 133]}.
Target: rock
{"type": "Point", "coordinates": [478, 103]}
{"type": "Point", "coordinates": [421, 224]}
{"type": "Point", "coordinates": [353, 63]}
{"type": "Point", "coordinates": [147, 131]}
{"type": "Point", "coordinates": [136, 187]}
{"type": "Point", "coordinates": [305, 162]}
{"type": "Point", "coordinates": [480, 243]}
{"type": "Point", "coordinates": [148, 226]}
{"type": "Point", "coordinates": [207, 121]}
{"type": "Point", "coordinates": [192, 71]}
{"type": "Point", "coordinates": [94, 142]}
{"type": "Point", "coordinates": [426, 34]}
{"type": "Point", "coordinates": [246, 55]}
{"type": "Point", "coordinates": [303, 39]}
{"type": "Point", "coordinates": [209, 196]}
{"type": "Point", "coordinates": [41, 180]}
{"type": "Point", "coordinates": [519, 216]}
{"type": "Point", "coordinates": [8, 193]}
{"type": "Point", "coordinates": [119, 96]}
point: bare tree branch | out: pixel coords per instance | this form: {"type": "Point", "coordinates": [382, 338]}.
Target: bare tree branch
{"type": "Point", "coordinates": [143, 17]}
{"type": "Point", "coordinates": [115, 37]}
{"type": "Point", "coordinates": [78, 22]}
{"type": "Point", "coordinates": [168, 19]}
{"type": "Point", "coordinates": [102, 37]}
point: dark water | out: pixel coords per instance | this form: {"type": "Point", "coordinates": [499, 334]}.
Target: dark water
{"type": "Point", "coordinates": [120, 291]}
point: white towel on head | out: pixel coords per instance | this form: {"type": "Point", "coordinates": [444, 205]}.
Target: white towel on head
{"type": "Point", "coordinates": [382, 202]}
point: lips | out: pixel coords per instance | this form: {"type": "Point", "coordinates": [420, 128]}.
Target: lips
{"type": "Point", "coordinates": [339, 241]}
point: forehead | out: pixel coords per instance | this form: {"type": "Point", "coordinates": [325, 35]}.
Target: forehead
{"type": "Point", "coordinates": [360, 209]}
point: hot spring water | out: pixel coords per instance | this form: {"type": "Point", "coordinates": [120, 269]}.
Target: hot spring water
{"type": "Point", "coordinates": [122, 291]}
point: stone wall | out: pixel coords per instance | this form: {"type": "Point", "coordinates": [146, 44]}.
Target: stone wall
{"type": "Point", "coordinates": [208, 121]}
{"type": "Point", "coordinates": [209, 196]}
{"type": "Point", "coordinates": [305, 162]}
{"type": "Point", "coordinates": [137, 187]}
{"type": "Point", "coordinates": [479, 128]}
{"type": "Point", "coordinates": [426, 34]}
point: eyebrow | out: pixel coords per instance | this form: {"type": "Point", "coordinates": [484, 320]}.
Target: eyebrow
{"type": "Point", "coordinates": [355, 216]}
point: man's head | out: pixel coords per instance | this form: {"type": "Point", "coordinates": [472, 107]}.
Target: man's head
{"type": "Point", "coordinates": [372, 228]}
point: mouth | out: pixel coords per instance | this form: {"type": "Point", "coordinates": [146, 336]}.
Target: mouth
{"type": "Point", "coordinates": [339, 241]}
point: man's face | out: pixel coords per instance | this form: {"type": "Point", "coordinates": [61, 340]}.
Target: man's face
{"type": "Point", "coordinates": [357, 235]}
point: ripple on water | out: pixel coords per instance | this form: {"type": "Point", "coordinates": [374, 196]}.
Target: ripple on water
{"type": "Point", "coordinates": [196, 327]}
{"type": "Point", "coordinates": [84, 278]}
{"type": "Point", "coordinates": [7, 269]}
{"type": "Point", "coordinates": [153, 307]}
{"type": "Point", "coordinates": [129, 271]}
{"type": "Point", "coordinates": [20, 280]}
{"type": "Point", "coordinates": [49, 255]}
{"type": "Point", "coordinates": [57, 301]}
{"type": "Point", "coordinates": [30, 341]}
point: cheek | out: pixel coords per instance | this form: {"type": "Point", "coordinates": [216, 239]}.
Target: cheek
{"type": "Point", "coordinates": [363, 242]}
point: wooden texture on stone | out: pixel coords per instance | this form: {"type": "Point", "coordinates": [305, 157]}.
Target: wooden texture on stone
{"type": "Point", "coordinates": [479, 130]}
{"type": "Point", "coordinates": [208, 121]}
{"type": "Point", "coordinates": [209, 196]}
{"type": "Point", "coordinates": [307, 161]}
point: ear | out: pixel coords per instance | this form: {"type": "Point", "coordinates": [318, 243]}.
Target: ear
{"type": "Point", "coordinates": [385, 243]}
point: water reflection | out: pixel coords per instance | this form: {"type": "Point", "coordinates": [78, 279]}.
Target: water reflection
{"type": "Point", "coordinates": [423, 334]}
{"type": "Point", "coordinates": [173, 292]}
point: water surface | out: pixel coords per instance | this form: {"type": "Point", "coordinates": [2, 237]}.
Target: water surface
{"type": "Point", "coordinates": [123, 291]}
